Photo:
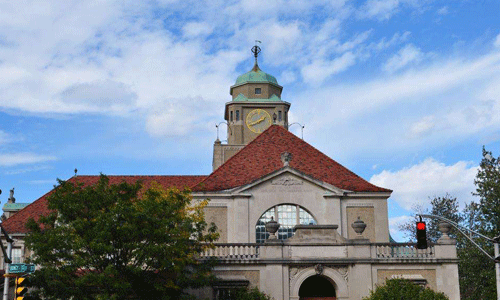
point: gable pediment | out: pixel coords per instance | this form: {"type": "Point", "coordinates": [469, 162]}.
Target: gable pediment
{"type": "Point", "coordinates": [288, 179]}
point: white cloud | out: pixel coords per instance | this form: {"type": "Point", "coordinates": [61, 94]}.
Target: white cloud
{"type": "Point", "coordinates": [100, 95]}
{"type": "Point", "coordinates": [195, 29]}
{"type": "Point", "coordinates": [383, 43]}
{"type": "Point", "coordinates": [316, 72]}
{"type": "Point", "coordinates": [423, 126]}
{"type": "Point", "coordinates": [287, 77]}
{"type": "Point", "coordinates": [415, 184]}
{"type": "Point", "coordinates": [4, 137]}
{"type": "Point", "coordinates": [395, 222]}
{"type": "Point", "coordinates": [32, 168]}
{"type": "Point", "coordinates": [179, 118]}
{"type": "Point", "coordinates": [405, 56]}
{"type": "Point", "coordinates": [497, 41]}
{"type": "Point", "coordinates": [443, 10]}
{"type": "Point", "coordinates": [12, 159]}
{"type": "Point", "coordinates": [379, 9]}
{"type": "Point", "coordinates": [42, 181]}
{"type": "Point", "coordinates": [426, 85]}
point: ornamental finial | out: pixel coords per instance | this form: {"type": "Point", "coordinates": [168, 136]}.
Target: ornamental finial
{"type": "Point", "coordinates": [256, 50]}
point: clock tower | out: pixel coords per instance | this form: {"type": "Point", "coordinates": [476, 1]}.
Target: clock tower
{"type": "Point", "coordinates": [256, 104]}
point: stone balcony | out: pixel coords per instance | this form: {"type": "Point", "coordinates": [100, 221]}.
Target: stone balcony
{"type": "Point", "coordinates": [316, 243]}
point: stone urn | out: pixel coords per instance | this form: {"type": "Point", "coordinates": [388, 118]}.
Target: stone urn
{"type": "Point", "coordinates": [445, 228]}
{"type": "Point", "coordinates": [271, 227]}
{"type": "Point", "coordinates": [358, 226]}
{"type": "Point", "coordinates": [445, 239]}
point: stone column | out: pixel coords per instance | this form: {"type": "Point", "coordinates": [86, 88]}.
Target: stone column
{"type": "Point", "coordinates": [448, 272]}
{"type": "Point", "coordinates": [272, 278]}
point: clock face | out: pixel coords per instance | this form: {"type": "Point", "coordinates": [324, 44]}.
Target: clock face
{"type": "Point", "coordinates": [258, 120]}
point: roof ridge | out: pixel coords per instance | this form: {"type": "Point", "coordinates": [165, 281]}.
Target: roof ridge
{"type": "Point", "coordinates": [331, 159]}
{"type": "Point", "coordinates": [233, 157]}
{"type": "Point", "coordinates": [137, 176]}
{"type": "Point", "coordinates": [261, 157]}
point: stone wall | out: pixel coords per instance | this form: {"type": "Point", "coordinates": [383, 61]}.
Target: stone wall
{"type": "Point", "coordinates": [218, 215]}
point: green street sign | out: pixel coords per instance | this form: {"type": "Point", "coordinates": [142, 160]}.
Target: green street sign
{"type": "Point", "coordinates": [21, 268]}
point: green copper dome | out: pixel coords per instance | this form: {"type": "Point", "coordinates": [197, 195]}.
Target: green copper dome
{"type": "Point", "coordinates": [256, 75]}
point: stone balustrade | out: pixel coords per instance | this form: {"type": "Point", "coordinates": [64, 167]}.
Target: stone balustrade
{"type": "Point", "coordinates": [403, 251]}
{"type": "Point", "coordinates": [233, 251]}
{"type": "Point", "coordinates": [386, 251]}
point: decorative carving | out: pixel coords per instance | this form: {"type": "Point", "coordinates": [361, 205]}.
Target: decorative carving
{"type": "Point", "coordinates": [344, 272]}
{"type": "Point", "coordinates": [287, 181]}
{"type": "Point", "coordinates": [319, 268]}
{"type": "Point", "coordinates": [293, 273]}
{"type": "Point", "coordinates": [286, 157]}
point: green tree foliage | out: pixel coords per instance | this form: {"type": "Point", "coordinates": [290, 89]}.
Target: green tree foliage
{"type": "Point", "coordinates": [119, 242]}
{"type": "Point", "coordinates": [446, 206]}
{"type": "Point", "coordinates": [476, 270]}
{"type": "Point", "coordinates": [488, 189]}
{"type": "Point", "coordinates": [250, 294]}
{"type": "Point", "coordinates": [401, 289]}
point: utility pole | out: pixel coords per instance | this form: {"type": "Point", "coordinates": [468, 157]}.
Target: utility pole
{"type": "Point", "coordinates": [495, 242]}
{"type": "Point", "coordinates": [7, 255]}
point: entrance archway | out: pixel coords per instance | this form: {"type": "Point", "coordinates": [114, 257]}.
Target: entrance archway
{"type": "Point", "coordinates": [317, 287]}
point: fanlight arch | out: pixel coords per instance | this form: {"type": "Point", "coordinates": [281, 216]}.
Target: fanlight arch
{"type": "Point", "coordinates": [288, 215]}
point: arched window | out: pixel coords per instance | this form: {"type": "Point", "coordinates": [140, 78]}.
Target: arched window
{"type": "Point", "coordinates": [288, 215]}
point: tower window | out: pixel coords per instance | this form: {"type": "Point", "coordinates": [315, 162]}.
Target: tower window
{"type": "Point", "coordinates": [237, 115]}
{"type": "Point", "coordinates": [258, 91]}
{"type": "Point", "coordinates": [231, 116]}
{"type": "Point", "coordinates": [280, 117]}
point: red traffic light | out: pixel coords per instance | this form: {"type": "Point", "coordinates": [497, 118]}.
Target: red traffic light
{"type": "Point", "coordinates": [420, 225]}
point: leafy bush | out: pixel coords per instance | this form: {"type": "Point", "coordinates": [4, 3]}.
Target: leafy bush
{"type": "Point", "coordinates": [402, 289]}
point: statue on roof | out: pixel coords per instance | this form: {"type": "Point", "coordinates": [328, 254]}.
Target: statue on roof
{"type": "Point", "coordinates": [11, 197]}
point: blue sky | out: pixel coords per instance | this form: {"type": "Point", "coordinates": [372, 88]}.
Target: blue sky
{"type": "Point", "coordinates": [403, 92]}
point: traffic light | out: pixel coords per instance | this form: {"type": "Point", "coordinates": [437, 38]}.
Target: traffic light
{"type": "Point", "coordinates": [421, 235]}
{"type": "Point", "coordinates": [21, 288]}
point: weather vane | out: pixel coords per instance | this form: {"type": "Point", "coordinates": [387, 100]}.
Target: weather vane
{"type": "Point", "coordinates": [256, 50]}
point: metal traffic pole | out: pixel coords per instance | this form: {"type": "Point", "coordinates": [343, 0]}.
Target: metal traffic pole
{"type": "Point", "coordinates": [497, 264]}
{"type": "Point", "coordinates": [7, 278]}
{"type": "Point", "coordinates": [7, 255]}
{"type": "Point", "coordinates": [495, 241]}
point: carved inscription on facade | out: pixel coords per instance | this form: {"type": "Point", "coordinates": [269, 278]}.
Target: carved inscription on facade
{"type": "Point", "coordinates": [287, 181]}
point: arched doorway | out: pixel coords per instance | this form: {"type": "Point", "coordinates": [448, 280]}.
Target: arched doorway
{"type": "Point", "coordinates": [317, 287]}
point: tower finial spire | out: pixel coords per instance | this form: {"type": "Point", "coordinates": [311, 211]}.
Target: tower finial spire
{"type": "Point", "coordinates": [256, 50]}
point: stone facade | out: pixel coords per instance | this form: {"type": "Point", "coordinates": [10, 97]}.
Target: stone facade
{"type": "Point", "coordinates": [352, 263]}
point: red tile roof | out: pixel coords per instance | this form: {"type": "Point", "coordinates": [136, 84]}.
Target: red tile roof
{"type": "Point", "coordinates": [16, 223]}
{"type": "Point", "coordinates": [263, 156]}
{"type": "Point", "coordinates": [260, 157]}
